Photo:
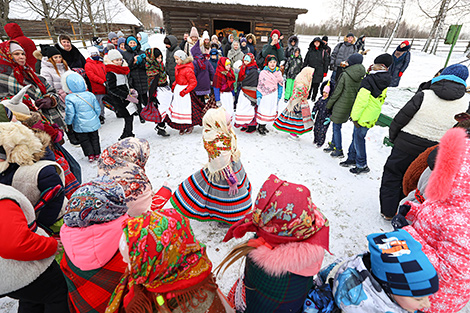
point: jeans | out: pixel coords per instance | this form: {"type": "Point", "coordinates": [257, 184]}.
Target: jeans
{"type": "Point", "coordinates": [357, 148]}
{"type": "Point", "coordinates": [333, 76]}
{"type": "Point", "coordinates": [337, 140]}
{"type": "Point", "coordinates": [99, 98]}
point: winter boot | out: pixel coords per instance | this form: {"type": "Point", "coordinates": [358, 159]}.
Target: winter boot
{"type": "Point", "coordinates": [160, 128]}
{"type": "Point", "coordinates": [262, 130]}
{"type": "Point", "coordinates": [359, 170]}
{"type": "Point", "coordinates": [244, 129]}
{"type": "Point", "coordinates": [337, 153]}
{"type": "Point", "coordinates": [91, 158]}
{"type": "Point", "coordinates": [251, 129]}
{"type": "Point", "coordinates": [347, 163]}
{"type": "Point", "coordinates": [126, 135]}
{"type": "Point", "coordinates": [330, 148]}
{"type": "Point", "coordinates": [101, 120]}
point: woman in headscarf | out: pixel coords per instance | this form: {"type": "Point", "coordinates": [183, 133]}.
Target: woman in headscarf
{"type": "Point", "coordinates": [296, 119]}
{"type": "Point", "coordinates": [168, 269]}
{"type": "Point", "coordinates": [245, 116]}
{"type": "Point", "coordinates": [15, 74]}
{"type": "Point", "coordinates": [220, 191]}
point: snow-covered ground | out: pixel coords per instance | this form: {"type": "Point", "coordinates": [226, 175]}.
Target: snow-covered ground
{"type": "Point", "coordinates": [351, 203]}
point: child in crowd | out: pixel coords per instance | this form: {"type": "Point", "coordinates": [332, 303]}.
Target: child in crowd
{"type": "Point", "coordinates": [214, 57]}
{"type": "Point", "coordinates": [394, 276]}
{"type": "Point", "coordinates": [321, 115]}
{"type": "Point", "coordinates": [235, 54]}
{"type": "Point", "coordinates": [366, 110]}
{"type": "Point", "coordinates": [118, 90]}
{"type": "Point", "coordinates": [97, 42]}
{"type": "Point", "coordinates": [287, 251]}
{"type": "Point", "coordinates": [245, 116]}
{"type": "Point", "coordinates": [223, 85]}
{"type": "Point", "coordinates": [251, 43]}
{"type": "Point", "coordinates": [53, 66]}
{"type": "Point", "coordinates": [96, 73]}
{"type": "Point", "coordinates": [82, 111]}
{"type": "Point", "coordinates": [293, 67]}
{"type": "Point", "coordinates": [296, 119]}
{"type": "Point", "coordinates": [143, 39]}
{"type": "Point", "coordinates": [204, 72]}
{"type": "Point", "coordinates": [121, 45]}
{"type": "Point", "coordinates": [221, 191]}
{"type": "Point", "coordinates": [342, 100]}
{"type": "Point", "coordinates": [268, 93]}
{"type": "Point", "coordinates": [159, 91]}
{"type": "Point", "coordinates": [243, 46]}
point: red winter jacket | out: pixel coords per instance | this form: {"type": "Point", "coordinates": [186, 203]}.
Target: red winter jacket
{"type": "Point", "coordinates": [96, 73]}
{"type": "Point", "coordinates": [18, 241]}
{"type": "Point", "coordinates": [184, 75]}
{"type": "Point", "coordinates": [14, 31]}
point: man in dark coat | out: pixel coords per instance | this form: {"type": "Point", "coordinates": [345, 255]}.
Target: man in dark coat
{"type": "Point", "coordinates": [325, 44]}
{"type": "Point", "coordinates": [318, 58]}
{"type": "Point", "coordinates": [171, 44]}
{"type": "Point", "coordinates": [341, 53]}
{"type": "Point", "coordinates": [183, 42]}
{"type": "Point", "coordinates": [401, 60]}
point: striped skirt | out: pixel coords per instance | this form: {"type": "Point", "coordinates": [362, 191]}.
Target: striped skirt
{"type": "Point", "coordinates": [291, 122]}
{"type": "Point", "coordinates": [203, 200]}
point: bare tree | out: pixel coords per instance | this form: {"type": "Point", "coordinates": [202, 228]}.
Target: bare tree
{"type": "Point", "coordinates": [4, 11]}
{"type": "Point", "coordinates": [77, 12]}
{"type": "Point", "coordinates": [397, 24]}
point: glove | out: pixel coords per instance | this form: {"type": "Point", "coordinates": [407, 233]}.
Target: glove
{"type": "Point", "coordinates": [182, 93]}
{"type": "Point", "coordinates": [327, 121]}
{"type": "Point", "coordinates": [134, 93]}
{"type": "Point", "coordinates": [356, 124]}
{"type": "Point", "coordinates": [233, 190]}
{"type": "Point", "coordinates": [400, 74]}
{"type": "Point", "coordinates": [399, 221]}
{"type": "Point", "coordinates": [44, 103]}
{"type": "Point", "coordinates": [404, 209]}
{"type": "Point", "coordinates": [219, 104]}
{"type": "Point", "coordinates": [324, 74]}
{"type": "Point", "coordinates": [132, 99]}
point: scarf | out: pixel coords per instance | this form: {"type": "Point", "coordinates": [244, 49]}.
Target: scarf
{"type": "Point", "coordinates": [223, 79]}
{"type": "Point", "coordinates": [220, 143]}
{"type": "Point", "coordinates": [302, 84]}
{"type": "Point", "coordinates": [164, 258]}
{"type": "Point", "coordinates": [252, 64]}
{"type": "Point", "coordinates": [155, 68]}
{"type": "Point", "coordinates": [125, 162]}
{"type": "Point", "coordinates": [269, 80]}
{"type": "Point", "coordinates": [21, 73]}
{"type": "Point", "coordinates": [117, 69]}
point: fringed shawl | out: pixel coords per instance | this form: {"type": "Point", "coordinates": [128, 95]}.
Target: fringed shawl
{"type": "Point", "coordinates": [268, 81]}
{"type": "Point", "coordinates": [302, 84]}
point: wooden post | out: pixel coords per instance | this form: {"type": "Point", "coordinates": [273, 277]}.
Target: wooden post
{"type": "Point", "coordinates": [47, 28]}
{"type": "Point", "coordinates": [73, 30]}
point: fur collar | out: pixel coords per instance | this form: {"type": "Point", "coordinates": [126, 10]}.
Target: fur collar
{"type": "Point", "coordinates": [296, 257]}
{"type": "Point", "coordinates": [188, 60]}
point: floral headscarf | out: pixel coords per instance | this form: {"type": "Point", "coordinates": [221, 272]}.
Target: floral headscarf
{"type": "Point", "coordinates": [125, 162]}
{"type": "Point", "coordinates": [220, 142]}
{"type": "Point", "coordinates": [164, 256]}
{"type": "Point", "coordinates": [302, 84]}
{"type": "Point", "coordinates": [155, 68]}
{"type": "Point", "coordinates": [283, 212]}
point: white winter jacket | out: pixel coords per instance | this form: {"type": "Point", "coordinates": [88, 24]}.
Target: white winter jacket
{"type": "Point", "coordinates": [49, 73]}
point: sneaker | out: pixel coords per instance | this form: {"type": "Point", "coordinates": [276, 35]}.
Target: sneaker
{"type": "Point", "coordinates": [330, 148]}
{"type": "Point", "coordinates": [189, 130]}
{"type": "Point", "coordinates": [347, 163]}
{"type": "Point", "coordinates": [262, 130]}
{"type": "Point", "coordinates": [161, 131]}
{"type": "Point", "coordinates": [91, 158]}
{"type": "Point", "coordinates": [337, 153]}
{"type": "Point", "coordinates": [294, 137]}
{"type": "Point", "coordinates": [359, 170]}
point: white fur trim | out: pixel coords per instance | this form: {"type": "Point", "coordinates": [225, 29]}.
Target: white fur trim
{"type": "Point", "coordinates": [20, 143]}
{"type": "Point", "coordinates": [63, 80]}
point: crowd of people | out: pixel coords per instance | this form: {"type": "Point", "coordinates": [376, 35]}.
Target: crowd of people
{"type": "Point", "coordinates": [124, 248]}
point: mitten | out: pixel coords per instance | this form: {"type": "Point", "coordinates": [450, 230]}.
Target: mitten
{"type": "Point", "coordinates": [182, 93]}
{"type": "Point", "coordinates": [404, 209]}
{"type": "Point", "coordinates": [400, 74]}
{"type": "Point", "coordinates": [399, 221]}
{"type": "Point", "coordinates": [324, 74]}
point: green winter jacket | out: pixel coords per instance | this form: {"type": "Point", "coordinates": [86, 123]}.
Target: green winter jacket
{"type": "Point", "coordinates": [366, 108]}
{"type": "Point", "coordinates": [268, 49]}
{"type": "Point", "coordinates": [342, 100]}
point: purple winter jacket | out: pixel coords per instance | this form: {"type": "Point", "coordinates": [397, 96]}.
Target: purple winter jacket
{"type": "Point", "coordinates": [203, 76]}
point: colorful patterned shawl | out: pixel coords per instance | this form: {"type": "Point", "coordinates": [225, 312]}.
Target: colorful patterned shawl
{"type": "Point", "coordinates": [155, 68]}
{"type": "Point", "coordinates": [269, 80]}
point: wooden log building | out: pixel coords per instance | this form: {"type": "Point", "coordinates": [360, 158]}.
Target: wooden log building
{"type": "Point", "coordinates": [180, 16]}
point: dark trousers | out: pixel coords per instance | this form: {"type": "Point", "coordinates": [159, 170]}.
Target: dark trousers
{"type": "Point", "coordinates": [47, 294]}
{"type": "Point", "coordinates": [143, 101]}
{"type": "Point", "coordinates": [128, 119]}
{"type": "Point", "coordinates": [391, 188]}
{"type": "Point", "coordinates": [357, 148]}
{"type": "Point", "coordinates": [90, 143]}
{"type": "Point", "coordinates": [313, 91]}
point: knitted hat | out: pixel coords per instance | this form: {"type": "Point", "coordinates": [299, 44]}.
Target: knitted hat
{"type": "Point", "coordinates": [110, 47]}
{"type": "Point", "coordinates": [327, 89]}
{"type": "Point", "coordinates": [243, 39]}
{"type": "Point", "coordinates": [96, 40]}
{"type": "Point", "coordinates": [283, 212]}
{"type": "Point", "coordinates": [355, 58]}
{"type": "Point", "coordinates": [205, 35]}
{"type": "Point", "coordinates": [120, 41]}
{"type": "Point", "coordinates": [459, 70]}
{"type": "Point", "coordinates": [406, 42]}
{"type": "Point", "coordinates": [131, 38]}
{"type": "Point", "coordinates": [114, 55]}
{"type": "Point", "coordinates": [92, 51]}
{"type": "Point", "coordinates": [324, 38]}
{"type": "Point", "coordinates": [112, 35]}
{"type": "Point", "coordinates": [247, 58]}
{"type": "Point", "coordinates": [120, 34]}
{"type": "Point", "coordinates": [400, 266]}
{"type": "Point", "coordinates": [99, 201]}
{"type": "Point", "coordinates": [350, 35]}
{"type": "Point", "coordinates": [275, 31]}
{"type": "Point", "coordinates": [214, 51]}
{"type": "Point", "coordinates": [181, 54]}
{"type": "Point", "coordinates": [385, 59]}
{"type": "Point", "coordinates": [15, 47]}
{"type": "Point", "coordinates": [51, 51]}
{"type": "Point", "coordinates": [194, 32]}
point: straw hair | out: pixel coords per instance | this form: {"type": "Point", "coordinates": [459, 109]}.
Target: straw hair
{"type": "Point", "coordinates": [238, 252]}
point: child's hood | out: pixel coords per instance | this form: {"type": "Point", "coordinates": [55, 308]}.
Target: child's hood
{"type": "Point", "coordinates": [73, 82]}
{"type": "Point", "coordinates": [144, 38]}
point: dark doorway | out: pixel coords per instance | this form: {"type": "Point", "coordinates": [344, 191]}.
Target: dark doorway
{"type": "Point", "coordinates": [228, 26]}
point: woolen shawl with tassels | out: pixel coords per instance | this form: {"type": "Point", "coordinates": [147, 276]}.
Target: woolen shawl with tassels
{"type": "Point", "coordinates": [269, 80]}
{"type": "Point", "coordinates": [222, 76]}
{"type": "Point", "coordinates": [155, 68]}
{"type": "Point", "coordinates": [220, 143]}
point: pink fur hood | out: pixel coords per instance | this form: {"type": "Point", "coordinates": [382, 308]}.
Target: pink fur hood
{"type": "Point", "coordinates": [297, 257]}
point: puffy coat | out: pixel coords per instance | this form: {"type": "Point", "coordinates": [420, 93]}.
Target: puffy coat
{"type": "Point", "coordinates": [370, 98]}
{"type": "Point", "coordinates": [138, 74]}
{"type": "Point", "coordinates": [293, 67]}
{"type": "Point", "coordinates": [317, 58]}
{"type": "Point", "coordinates": [341, 52]}
{"type": "Point", "coordinates": [49, 73]}
{"type": "Point", "coordinates": [342, 99]}
{"type": "Point", "coordinates": [204, 72]}
{"type": "Point", "coordinates": [235, 55]}
{"type": "Point", "coordinates": [291, 48]}
{"type": "Point", "coordinates": [400, 64]}
{"type": "Point", "coordinates": [14, 31]}
{"type": "Point", "coordinates": [440, 224]}
{"type": "Point", "coordinates": [184, 74]}
{"type": "Point", "coordinates": [426, 117]}
{"type": "Point", "coordinates": [170, 59]}
{"type": "Point", "coordinates": [82, 110]}
{"type": "Point", "coordinates": [269, 49]}
{"type": "Point", "coordinates": [144, 41]}
{"type": "Point", "coordinates": [96, 73]}
{"type": "Point", "coordinates": [251, 46]}
{"type": "Point", "coordinates": [118, 85]}
{"type": "Point", "coordinates": [73, 57]}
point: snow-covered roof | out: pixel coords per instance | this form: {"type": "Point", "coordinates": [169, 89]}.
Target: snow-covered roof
{"type": "Point", "coordinates": [116, 13]}
{"type": "Point", "coordinates": [283, 4]}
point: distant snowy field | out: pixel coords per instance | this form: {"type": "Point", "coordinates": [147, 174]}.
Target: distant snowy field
{"type": "Point", "coordinates": [351, 203]}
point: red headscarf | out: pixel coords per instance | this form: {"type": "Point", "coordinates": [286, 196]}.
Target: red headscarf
{"type": "Point", "coordinates": [20, 72]}
{"type": "Point", "coordinates": [252, 64]}
{"type": "Point", "coordinates": [223, 76]}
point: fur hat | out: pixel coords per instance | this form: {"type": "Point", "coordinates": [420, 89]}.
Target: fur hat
{"type": "Point", "coordinates": [181, 54]}
{"type": "Point", "coordinates": [355, 58]}
{"type": "Point", "coordinates": [385, 59]}
{"type": "Point", "coordinates": [21, 145]}
{"type": "Point", "coordinates": [194, 32]}
{"type": "Point", "coordinates": [112, 35]}
{"type": "Point", "coordinates": [114, 55]}
{"type": "Point", "coordinates": [99, 201]}
{"type": "Point", "coordinates": [400, 266]}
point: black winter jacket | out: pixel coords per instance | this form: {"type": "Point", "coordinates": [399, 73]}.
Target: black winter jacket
{"type": "Point", "coordinates": [73, 57]}
{"type": "Point", "coordinates": [293, 67]}
{"type": "Point", "coordinates": [138, 74]}
{"type": "Point", "coordinates": [170, 59]}
{"type": "Point", "coordinates": [319, 60]}
{"type": "Point", "coordinates": [117, 94]}
{"type": "Point", "coordinates": [290, 49]}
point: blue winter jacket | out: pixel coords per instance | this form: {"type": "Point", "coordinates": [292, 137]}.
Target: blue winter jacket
{"type": "Point", "coordinates": [144, 41]}
{"type": "Point", "coordinates": [82, 110]}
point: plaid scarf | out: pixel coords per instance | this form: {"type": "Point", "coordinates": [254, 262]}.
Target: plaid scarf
{"type": "Point", "coordinates": [20, 72]}
{"type": "Point", "coordinates": [251, 65]}
{"type": "Point", "coordinates": [223, 79]}
{"type": "Point", "coordinates": [155, 68]}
